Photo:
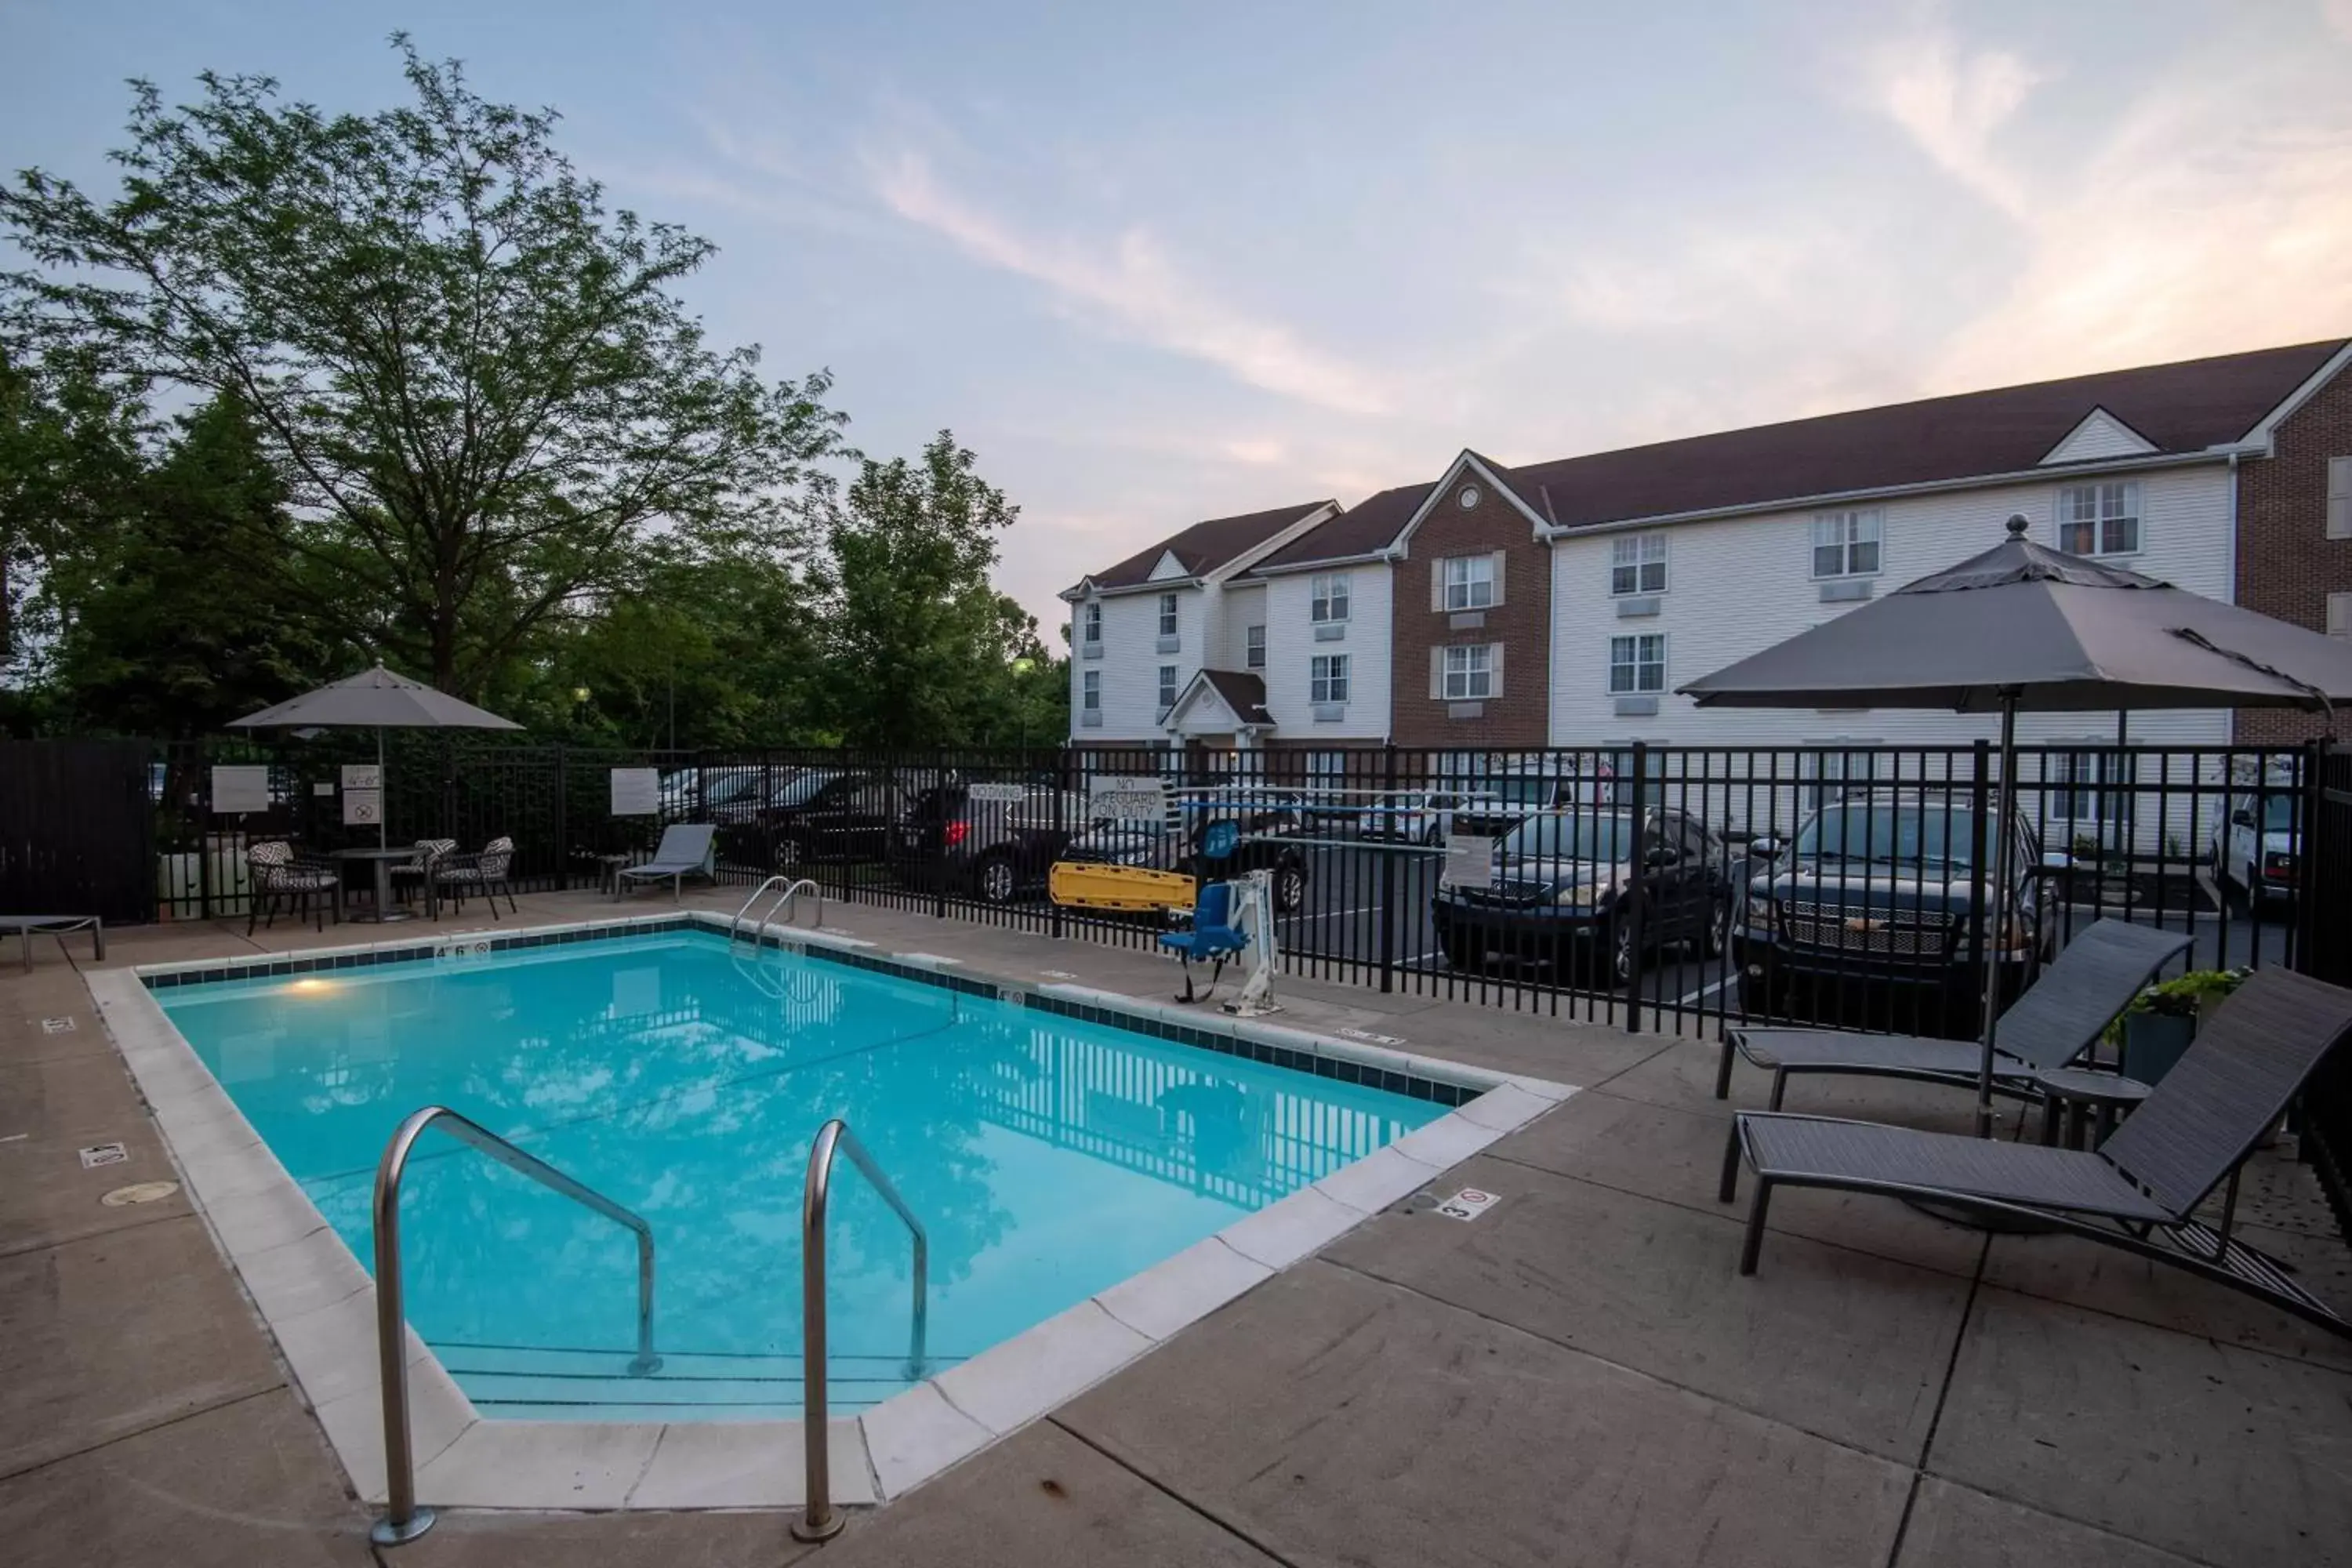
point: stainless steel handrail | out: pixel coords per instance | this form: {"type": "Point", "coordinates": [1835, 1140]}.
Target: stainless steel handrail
{"type": "Point", "coordinates": [782, 902]}
{"type": "Point", "coordinates": [404, 1520]}
{"type": "Point", "coordinates": [818, 1521]}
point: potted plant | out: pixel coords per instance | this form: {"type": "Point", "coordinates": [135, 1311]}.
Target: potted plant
{"type": "Point", "coordinates": [2162, 1019]}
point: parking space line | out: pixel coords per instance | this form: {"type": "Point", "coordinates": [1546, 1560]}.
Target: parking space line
{"type": "Point", "coordinates": [1704, 992]}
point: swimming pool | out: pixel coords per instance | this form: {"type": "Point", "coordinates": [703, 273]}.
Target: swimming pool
{"type": "Point", "coordinates": [1050, 1153]}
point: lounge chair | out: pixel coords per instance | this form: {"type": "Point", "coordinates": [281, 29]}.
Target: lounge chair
{"type": "Point", "coordinates": [58, 926]}
{"type": "Point", "coordinates": [280, 877]}
{"type": "Point", "coordinates": [488, 873]}
{"type": "Point", "coordinates": [1212, 936]}
{"type": "Point", "coordinates": [686, 850]}
{"type": "Point", "coordinates": [2137, 1191]}
{"type": "Point", "coordinates": [2057, 1019]}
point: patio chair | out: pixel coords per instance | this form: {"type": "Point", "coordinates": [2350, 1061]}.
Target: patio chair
{"type": "Point", "coordinates": [687, 849]}
{"type": "Point", "coordinates": [279, 876]}
{"type": "Point", "coordinates": [1212, 936]}
{"type": "Point", "coordinates": [2059, 1016]}
{"type": "Point", "coordinates": [485, 872]}
{"type": "Point", "coordinates": [2138, 1191]}
{"type": "Point", "coordinates": [418, 867]}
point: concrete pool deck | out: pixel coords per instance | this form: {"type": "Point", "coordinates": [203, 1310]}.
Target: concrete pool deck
{"type": "Point", "coordinates": [1579, 1375]}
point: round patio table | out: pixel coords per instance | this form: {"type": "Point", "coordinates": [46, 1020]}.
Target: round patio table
{"type": "Point", "coordinates": [2071, 1096]}
{"type": "Point", "coordinates": [383, 859]}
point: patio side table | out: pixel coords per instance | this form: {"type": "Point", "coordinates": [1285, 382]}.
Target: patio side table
{"type": "Point", "coordinates": [383, 861]}
{"type": "Point", "coordinates": [2074, 1095]}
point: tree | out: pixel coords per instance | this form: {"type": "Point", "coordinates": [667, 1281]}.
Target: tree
{"type": "Point", "coordinates": [488, 408]}
{"type": "Point", "coordinates": [164, 630]}
{"type": "Point", "coordinates": [920, 643]}
{"type": "Point", "coordinates": [69, 453]}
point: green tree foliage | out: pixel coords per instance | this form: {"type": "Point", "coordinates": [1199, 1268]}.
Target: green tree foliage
{"type": "Point", "coordinates": [167, 629]}
{"type": "Point", "coordinates": [488, 407]}
{"type": "Point", "coordinates": [69, 453]}
{"type": "Point", "coordinates": [921, 646]}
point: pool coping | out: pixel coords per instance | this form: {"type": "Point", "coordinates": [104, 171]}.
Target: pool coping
{"type": "Point", "coordinates": [319, 1305]}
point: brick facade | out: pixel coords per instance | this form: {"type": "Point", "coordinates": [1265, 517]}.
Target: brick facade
{"type": "Point", "coordinates": [1521, 624]}
{"type": "Point", "coordinates": [2286, 563]}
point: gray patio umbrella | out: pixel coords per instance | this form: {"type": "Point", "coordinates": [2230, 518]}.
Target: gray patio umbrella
{"type": "Point", "coordinates": [2024, 628]}
{"type": "Point", "coordinates": [374, 700]}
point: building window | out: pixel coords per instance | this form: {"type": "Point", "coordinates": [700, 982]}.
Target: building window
{"type": "Point", "coordinates": [2099, 520]}
{"type": "Point", "coordinates": [1093, 622]}
{"type": "Point", "coordinates": [1469, 582]}
{"type": "Point", "coordinates": [1090, 692]}
{"type": "Point", "coordinates": [1255, 656]}
{"type": "Point", "coordinates": [1637, 665]}
{"type": "Point", "coordinates": [1845, 544]}
{"type": "Point", "coordinates": [1166, 687]}
{"type": "Point", "coordinates": [1329, 600]}
{"type": "Point", "coordinates": [1846, 762]}
{"type": "Point", "coordinates": [2091, 789]}
{"type": "Point", "coordinates": [2339, 497]}
{"type": "Point", "coordinates": [1470, 672]}
{"type": "Point", "coordinates": [1167, 614]}
{"type": "Point", "coordinates": [1637, 565]}
{"type": "Point", "coordinates": [1327, 679]}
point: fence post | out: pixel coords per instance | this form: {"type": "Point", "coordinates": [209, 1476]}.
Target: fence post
{"type": "Point", "coordinates": [1061, 830]}
{"type": "Point", "coordinates": [562, 822]}
{"type": "Point", "coordinates": [1388, 877]}
{"type": "Point", "coordinates": [1981, 914]}
{"type": "Point", "coordinates": [1639, 895]}
{"type": "Point", "coordinates": [2303, 937]}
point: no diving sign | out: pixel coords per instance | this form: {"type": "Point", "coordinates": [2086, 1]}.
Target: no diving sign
{"type": "Point", "coordinates": [1468, 1204]}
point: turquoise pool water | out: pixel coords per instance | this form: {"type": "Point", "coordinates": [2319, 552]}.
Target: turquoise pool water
{"type": "Point", "coordinates": [1047, 1157]}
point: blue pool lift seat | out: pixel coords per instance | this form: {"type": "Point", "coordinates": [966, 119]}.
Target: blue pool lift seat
{"type": "Point", "coordinates": [1212, 938]}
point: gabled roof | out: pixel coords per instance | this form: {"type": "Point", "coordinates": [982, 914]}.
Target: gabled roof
{"type": "Point", "coordinates": [1240, 690]}
{"type": "Point", "coordinates": [1365, 529]}
{"type": "Point", "coordinates": [1204, 547]}
{"type": "Point", "coordinates": [2177, 408]}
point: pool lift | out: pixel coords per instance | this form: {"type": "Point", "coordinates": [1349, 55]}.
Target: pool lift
{"type": "Point", "coordinates": [1254, 917]}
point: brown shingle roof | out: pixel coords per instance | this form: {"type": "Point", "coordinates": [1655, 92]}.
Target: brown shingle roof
{"type": "Point", "coordinates": [1244, 692]}
{"type": "Point", "coordinates": [1366, 526]}
{"type": "Point", "coordinates": [1205, 546]}
{"type": "Point", "coordinates": [2182, 408]}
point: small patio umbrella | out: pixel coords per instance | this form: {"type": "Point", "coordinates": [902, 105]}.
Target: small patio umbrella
{"type": "Point", "coordinates": [2024, 628]}
{"type": "Point", "coordinates": [374, 700]}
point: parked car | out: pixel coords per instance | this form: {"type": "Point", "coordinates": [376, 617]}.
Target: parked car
{"type": "Point", "coordinates": [1421, 816]}
{"type": "Point", "coordinates": [1561, 888]}
{"type": "Point", "coordinates": [827, 814]}
{"type": "Point", "coordinates": [1212, 839]}
{"type": "Point", "coordinates": [1869, 916]}
{"type": "Point", "coordinates": [2255, 845]}
{"type": "Point", "coordinates": [991, 842]}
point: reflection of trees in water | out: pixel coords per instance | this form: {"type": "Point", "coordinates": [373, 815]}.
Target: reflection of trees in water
{"type": "Point", "coordinates": [671, 1085]}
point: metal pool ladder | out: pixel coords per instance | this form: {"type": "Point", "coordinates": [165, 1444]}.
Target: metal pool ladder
{"type": "Point", "coordinates": [404, 1520]}
{"type": "Point", "coordinates": [783, 904]}
{"type": "Point", "coordinates": [819, 1521]}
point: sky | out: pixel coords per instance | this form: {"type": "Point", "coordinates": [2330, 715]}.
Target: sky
{"type": "Point", "coordinates": [1155, 264]}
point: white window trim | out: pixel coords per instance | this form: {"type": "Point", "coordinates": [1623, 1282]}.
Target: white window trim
{"type": "Point", "coordinates": [1470, 583]}
{"type": "Point", "coordinates": [1480, 668]}
{"type": "Point", "coordinates": [2339, 497]}
{"type": "Point", "coordinates": [1253, 648]}
{"type": "Point", "coordinates": [1321, 597]}
{"type": "Point", "coordinates": [1608, 666]}
{"type": "Point", "coordinates": [1847, 542]}
{"type": "Point", "coordinates": [2134, 498]}
{"type": "Point", "coordinates": [1090, 692]}
{"type": "Point", "coordinates": [1335, 665]}
{"type": "Point", "coordinates": [1090, 624]}
{"type": "Point", "coordinates": [1639, 544]}
{"type": "Point", "coordinates": [1170, 689]}
{"type": "Point", "coordinates": [1171, 616]}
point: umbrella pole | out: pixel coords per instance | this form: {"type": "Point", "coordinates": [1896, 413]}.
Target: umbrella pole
{"type": "Point", "coordinates": [382, 794]}
{"type": "Point", "coordinates": [1997, 902]}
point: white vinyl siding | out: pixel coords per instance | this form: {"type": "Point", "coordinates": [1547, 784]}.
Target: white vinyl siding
{"type": "Point", "coordinates": [1637, 665]}
{"type": "Point", "coordinates": [2099, 520]}
{"type": "Point", "coordinates": [1329, 597]}
{"type": "Point", "coordinates": [1291, 643]}
{"type": "Point", "coordinates": [1637, 565]}
{"type": "Point", "coordinates": [1846, 543]}
{"type": "Point", "coordinates": [2339, 497]}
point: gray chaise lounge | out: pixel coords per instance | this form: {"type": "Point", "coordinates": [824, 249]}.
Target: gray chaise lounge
{"type": "Point", "coordinates": [686, 850]}
{"type": "Point", "coordinates": [2137, 1191]}
{"type": "Point", "coordinates": [2094, 979]}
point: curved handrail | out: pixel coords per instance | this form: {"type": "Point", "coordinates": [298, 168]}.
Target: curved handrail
{"type": "Point", "coordinates": [818, 1521]}
{"type": "Point", "coordinates": [404, 1520]}
{"type": "Point", "coordinates": [782, 902]}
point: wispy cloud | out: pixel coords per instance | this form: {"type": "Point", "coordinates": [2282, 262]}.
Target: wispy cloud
{"type": "Point", "coordinates": [1951, 102]}
{"type": "Point", "coordinates": [1134, 287]}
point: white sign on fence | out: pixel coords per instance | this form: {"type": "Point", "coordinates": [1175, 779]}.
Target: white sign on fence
{"type": "Point", "coordinates": [1469, 862]}
{"type": "Point", "coordinates": [636, 791]}
{"type": "Point", "coordinates": [363, 807]}
{"type": "Point", "coordinates": [999, 793]}
{"type": "Point", "coordinates": [1128, 798]}
{"type": "Point", "coordinates": [363, 775]}
{"type": "Point", "coordinates": [240, 787]}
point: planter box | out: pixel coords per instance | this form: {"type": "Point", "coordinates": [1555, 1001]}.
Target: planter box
{"type": "Point", "coordinates": [2153, 1042]}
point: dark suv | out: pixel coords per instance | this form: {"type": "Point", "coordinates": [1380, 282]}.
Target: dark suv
{"type": "Point", "coordinates": [989, 841]}
{"type": "Point", "coordinates": [825, 813]}
{"type": "Point", "coordinates": [1870, 915]}
{"type": "Point", "coordinates": [1561, 889]}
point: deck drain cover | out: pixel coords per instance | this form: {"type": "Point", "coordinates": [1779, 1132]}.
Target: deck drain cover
{"type": "Point", "coordinates": [139, 1193]}
{"type": "Point", "coordinates": [56, 1026]}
